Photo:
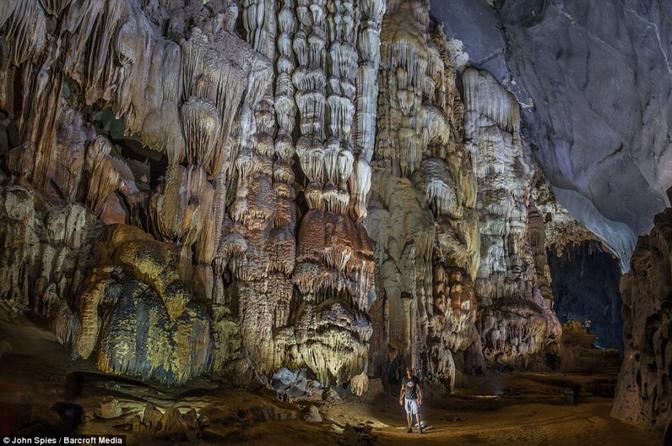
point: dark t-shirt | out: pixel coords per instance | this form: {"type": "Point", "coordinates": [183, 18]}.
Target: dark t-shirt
{"type": "Point", "coordinates": [411, 388]}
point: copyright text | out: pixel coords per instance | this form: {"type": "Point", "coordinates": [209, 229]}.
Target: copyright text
{"type": "Point", "coordinates": [115, 440]}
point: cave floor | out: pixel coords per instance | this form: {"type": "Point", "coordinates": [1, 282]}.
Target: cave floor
{"type": "Point", "coordinates": [516, 409]}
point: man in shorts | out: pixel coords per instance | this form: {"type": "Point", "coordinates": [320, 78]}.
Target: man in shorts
{"type": "Point", "coordinates": [410, 397]}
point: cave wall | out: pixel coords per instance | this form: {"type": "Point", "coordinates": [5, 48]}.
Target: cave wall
{"type": "Point", "coordinates": [422, 215]}
{"type": "Point", "coordinates": [516, 320]}
{"type": "Point", "coordinates": [585, 282]}
{"type": "Point", "coordinates": [644, 385]}
{"type": "Point", "coordinates": [214, 188]}
{"type": "Point", "coordinates": [593, 81]}
{"type": "Point", "coordinates": [240, 101]}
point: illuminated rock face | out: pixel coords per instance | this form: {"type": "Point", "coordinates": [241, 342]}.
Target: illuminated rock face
{"type": "Point", "coordinates": [228, 189]}
{"type": "Point", "coordinates": [184, 97]}
{"type": "Point", "coordinates": [421, 215]}
{"type": "Point", "coordinates": [138, 314]}
{"type": "Point", "coordinates": [516, 321]}
{"type": "Point", "coordinates": [592, 110]}
{"type": "Point", "coordinates": [46, 254]}
{"type": "Point", "coordinates": [228, 98]}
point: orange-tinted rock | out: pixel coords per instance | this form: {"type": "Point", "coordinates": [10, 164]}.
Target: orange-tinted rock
{"type": "Point", "coordinates": [113, 212]}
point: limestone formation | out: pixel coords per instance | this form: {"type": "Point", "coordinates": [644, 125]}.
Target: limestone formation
{"type": "Point", "coordinates": [231, 189]}
{"type": "Point", "coordinates": [47, 252]}
{"type": "Point", "coordinates": [593, 81]}
{"type": "Point", "coordinates": [644, 383]}
{"type": "Point", "coordinates": [320, 192]}
{"type": "Point", "coordinates": [138, 315]}
{"type": "Point", "coordinates": [422, 210]}
{"type": "Point", "coordinates": [515, 320]}
{"type": "Point", "coordinates": [560, 228]}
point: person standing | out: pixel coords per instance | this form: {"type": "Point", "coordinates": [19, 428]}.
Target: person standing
{"type": "Point", "coordinates": [410, 397]}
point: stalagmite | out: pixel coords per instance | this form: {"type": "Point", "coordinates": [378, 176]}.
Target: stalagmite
{"type": "Point", "coordinates": [310, 196]}
{"type": "Point", "coordinates": [201, 127]}
{"type": "Point", "coordinates": [232, 188]}
{"type": "Point", "coordinates": [515, 320]}
{"type": "Point", "coordinates": [145, 300]}
{"type": "Point", "coordinates": [422, 216]}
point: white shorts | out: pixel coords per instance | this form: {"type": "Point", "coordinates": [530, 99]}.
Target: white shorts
{"type": "Point", "coordinates": [411, 406]}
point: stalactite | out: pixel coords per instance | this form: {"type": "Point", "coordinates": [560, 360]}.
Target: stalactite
{"type": "Point", "coordinates": [491, 100]}
{"type": "Point", "coordinates": [423, 221]}
{"type": "Point", "coordinates": [264, 290]}
{"type": "Point", "coordinates": [333, 253]}
{"type": "Point", "coordinates": [25, 26]}
{"type": "Point", "coordinates": [293, 165]}
{"type": "Point", "coordinates": [506, 276]}
{"type": "Point", "coordinates": [201, 128]}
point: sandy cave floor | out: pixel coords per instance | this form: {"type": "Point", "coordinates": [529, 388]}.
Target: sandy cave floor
{"type": "Point", "coordinates": [516, 409]}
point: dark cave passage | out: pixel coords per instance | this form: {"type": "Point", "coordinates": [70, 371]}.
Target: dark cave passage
{"type": "Point", "coordinates": [585, 282]}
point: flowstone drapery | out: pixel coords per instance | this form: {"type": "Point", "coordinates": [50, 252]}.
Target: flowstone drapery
{"type": "Point", "coordinates": [516, 321]}
{"type": "Point", "coordinates": [227, 188]}
{"type": "Point", "coordinates": [421, 213]}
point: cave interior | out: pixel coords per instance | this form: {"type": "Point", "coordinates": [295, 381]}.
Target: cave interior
{"type": "Point", "coordinates": [245, 221]}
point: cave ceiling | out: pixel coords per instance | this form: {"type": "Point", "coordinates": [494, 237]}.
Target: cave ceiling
{"type": "Point", "coordinates": [593, 80]}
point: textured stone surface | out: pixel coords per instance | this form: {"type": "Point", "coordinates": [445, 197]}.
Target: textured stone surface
{"type": "Point", "coordinates": [560, 228]}
{"type": "Point", "coordinates": [611, 61]}
{"type": "Point", "coordinates": [421, 213]}
{"type": "Point", "coordinates": [329, 188]}
{"type": "Point", "coordinates": [47, 251]}
{"type": "Point", "coordinates": [515, 320]}
{"type": "Point", "coordinates": [642, 394]}
{"type": "Point", "coordinates": [473, 28]}
{"type": "Point", "coordinates": [139, 316]}
{"type": "Point", "coordinates": [178, 94]}
{"type": "Point", "coordinates": [593, 82]}
{"type": "Point", "coordinates": [232, 188]}
{"type": "Point", "coordinates": [593, 78]}
{"type": "Point", "coordinates": [221, 244]}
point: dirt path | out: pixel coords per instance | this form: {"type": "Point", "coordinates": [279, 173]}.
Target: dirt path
{"type": "Point", "coordinates": [494, 410]}
{"type": "Point", "coordinates": [586, 423]}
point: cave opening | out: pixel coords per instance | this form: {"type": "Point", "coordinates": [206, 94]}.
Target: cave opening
{"type": "Point", "coordinates": [585, 285]}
